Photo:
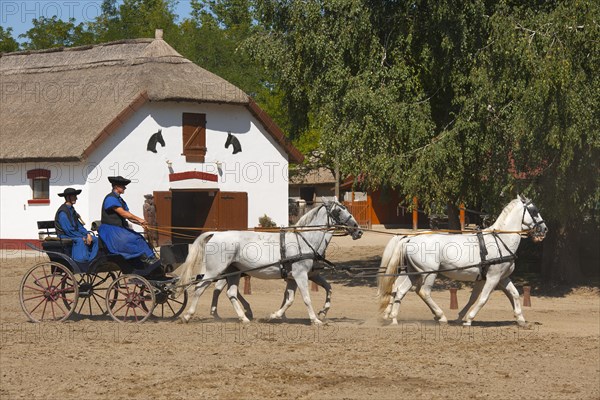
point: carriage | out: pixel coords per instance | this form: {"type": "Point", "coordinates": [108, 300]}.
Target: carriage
{"type": "Point", "coordinates": [126, 290]}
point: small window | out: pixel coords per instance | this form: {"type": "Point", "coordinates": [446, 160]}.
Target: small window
{"type": "Point", "coordinates": [40, 186]}
{"type": "Point", "coordinates": [194, 137]}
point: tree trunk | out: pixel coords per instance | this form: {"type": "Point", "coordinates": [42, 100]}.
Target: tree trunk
{"type": "Point", "coordinates": [561, 259]}
{"type": "Point", "coordinates": [453, 217]}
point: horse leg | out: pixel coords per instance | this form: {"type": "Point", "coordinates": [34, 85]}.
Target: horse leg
{"type": "Point", "coordinates": [246, 305]}
{"type": "Point", "coordinates": [474, 295]}
{"type": "Point", "coordinates": [402, 286]}
{"type": "Point", "coordinates": [319, 280]}
{"type": "Point", "coordinates": [219, 286]}
{"type": "Point", "coordinates": [424, 293]}
{"type": "Point", "coordinates": [200, 288]}
{"type": "Point", "coordinates": [232, 292]}
{"type": "Point", "coordinates": [301, 278]}
{"type": "Point", "coordinates": [489, 285]}
{"type": "Point", "coordinates": [288, 299]}
{"type": "Point", "coordinates": [512, 293]}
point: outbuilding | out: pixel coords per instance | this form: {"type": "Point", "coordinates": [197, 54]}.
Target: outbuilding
{"type": "Point", "coordinates": [72, 117]}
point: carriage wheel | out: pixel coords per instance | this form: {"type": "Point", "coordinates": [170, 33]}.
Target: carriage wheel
{"type": "Point", "coordinates": [47, 292]}
{"type": "Point", "coordinates": [92, 292]}
{"type": "Point", "coordinates": [168, 306]}
{"type": "Point", "coordinates": [130, 298]}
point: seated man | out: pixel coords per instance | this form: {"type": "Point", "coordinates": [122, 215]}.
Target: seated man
{"type": "Point", "coordinates": [115, 231]}
{"type": "Point", "coordinates": [69, 226]}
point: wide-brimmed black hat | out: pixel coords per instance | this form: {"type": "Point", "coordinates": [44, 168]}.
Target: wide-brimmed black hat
{"type": "Point", "coordinates": [119, 180]}
{"type": "Point", "coordinates": [70, 192]}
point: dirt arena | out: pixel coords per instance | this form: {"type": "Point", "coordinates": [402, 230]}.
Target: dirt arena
{"type": "Point", "coordinates": [353, 356]}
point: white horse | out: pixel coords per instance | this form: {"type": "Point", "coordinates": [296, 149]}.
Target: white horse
{"type": "Point", "coordinates": [259, 254]}
{"type": "Point", "coordinates": [460, 257]}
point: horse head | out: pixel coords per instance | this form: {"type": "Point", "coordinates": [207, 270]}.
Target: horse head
{"type": "Point", "coordinates": [533, 221]}
{"type": "Point", "coordinates": [341, 216]}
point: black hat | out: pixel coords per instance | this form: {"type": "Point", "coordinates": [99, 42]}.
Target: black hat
{"type": "Point", "coordinates": [119, 180]}
{"type": "Point", "coordinates": [70, 192]}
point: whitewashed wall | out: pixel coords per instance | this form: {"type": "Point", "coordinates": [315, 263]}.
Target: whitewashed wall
{"type": "Point", "coordinates": [261, 169]}
{"type": "Point", "coordinates": [17, 217]}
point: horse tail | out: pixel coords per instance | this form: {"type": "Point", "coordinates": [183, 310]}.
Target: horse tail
{"type": "Point", "coordinates": [393, 255]}
{"type": "Point", "coordinates": [194, 259]}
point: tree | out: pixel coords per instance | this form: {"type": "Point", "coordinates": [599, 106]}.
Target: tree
{"type": "Point", "coordinates": [450, 102]}
{"type": "Point", "coordinates": [7, 43]}
{"type": "Point", "coordinates": [54, 32]}
{"type": "Point", "coordinates": [341, 81]}
{"type": "Point", "coordinates": [539, 80]}
{"type": "Point", "coordinates": [137, 19]}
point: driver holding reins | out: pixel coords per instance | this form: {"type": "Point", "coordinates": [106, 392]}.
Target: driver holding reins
{"type": "Point", "coordinates": [115, 231]}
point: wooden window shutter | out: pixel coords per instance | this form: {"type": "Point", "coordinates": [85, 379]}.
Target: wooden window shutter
{"type": "Point", "coordinates": [194, 137]}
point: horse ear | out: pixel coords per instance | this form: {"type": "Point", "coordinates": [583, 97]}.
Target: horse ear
{"type": "Point", "coordinates": [323, 199]}
{"type": "Point", "coordinates": [520, 198]}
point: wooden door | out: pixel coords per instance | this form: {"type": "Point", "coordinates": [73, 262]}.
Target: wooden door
{"type": "Point", "coordinates": [233, 211]}
{"type": "Point", "coordinates": [163, 201]}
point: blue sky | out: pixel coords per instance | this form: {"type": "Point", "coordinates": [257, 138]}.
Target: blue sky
{"type": "Point", "coordinates": [17, 14]}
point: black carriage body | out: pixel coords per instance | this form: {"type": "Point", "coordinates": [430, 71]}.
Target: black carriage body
{"type": "Point", "coordinates": [60, 251]}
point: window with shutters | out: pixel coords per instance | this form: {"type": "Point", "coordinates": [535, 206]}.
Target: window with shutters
{"type": "Point", "coordinates": [194, 137]}
{"type": "Point", "coordinates": [40, 186]}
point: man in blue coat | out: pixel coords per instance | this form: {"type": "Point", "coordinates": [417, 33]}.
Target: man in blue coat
{"type": "Point", "coordinates": [115, 231]}
{"type": "Point", "coordinates": [69, 226]}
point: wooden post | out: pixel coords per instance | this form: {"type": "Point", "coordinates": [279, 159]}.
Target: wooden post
{"type": "Point", "coordinates": [415, 213]}
{"type": "Point", "coordinates": [462, 216]}
{"type": "Point", "coordinates": [314, 287]}
{"type": "Point", "coordinates": [453, 299]}
{"type": "Point", "coordinates": [526, 296]}
{"type": "Point", "coordinates": [247, 287]}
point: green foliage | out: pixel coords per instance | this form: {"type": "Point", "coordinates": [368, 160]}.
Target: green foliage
{"type": "Point", "coordinates": [54, 32]}
{"type": "Point", "coordinates": [7, 42]}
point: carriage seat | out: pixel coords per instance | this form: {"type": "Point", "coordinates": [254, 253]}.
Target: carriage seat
{"type": "Point", "coordinates": [50, 240]}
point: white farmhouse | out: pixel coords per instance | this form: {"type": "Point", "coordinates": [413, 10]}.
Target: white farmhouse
{"type": "Point", "coordinates": [71, 117]}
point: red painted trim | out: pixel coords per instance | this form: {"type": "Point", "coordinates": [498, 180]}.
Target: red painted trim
{"type": "Point", "coordinates": [180, 176]}
{"type": "Point", "coordinates": [18, 244]}
{"type": "Point", "coordinates": [38, 201]}
{"type": "Point", "coordinates": [38, 173]}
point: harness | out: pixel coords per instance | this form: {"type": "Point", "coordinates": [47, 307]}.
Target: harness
{"type": "Point", "coordinates": [285, 265]}
{"type": "Point", "coordinates": [484, 264]}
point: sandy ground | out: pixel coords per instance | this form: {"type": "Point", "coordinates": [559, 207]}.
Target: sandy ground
{"type": "Point", "coordinates": [353, 356]}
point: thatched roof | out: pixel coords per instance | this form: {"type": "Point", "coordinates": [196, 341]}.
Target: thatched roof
{"type": "Point", "coordinates": [319, 176]}
{"type": "Point", "coordinates": [59, 104]}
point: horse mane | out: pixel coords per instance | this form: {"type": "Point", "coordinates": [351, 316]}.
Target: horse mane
{"type": "Point", "coordinates": [509, 207]}
{"type": "Point", "coordinates": [309, 217]}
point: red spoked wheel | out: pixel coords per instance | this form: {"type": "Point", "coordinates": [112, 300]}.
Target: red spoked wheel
{"type": "Point", "coordinates": [48, 292]}
{"type": "Point", "coordinates": [130, 298]}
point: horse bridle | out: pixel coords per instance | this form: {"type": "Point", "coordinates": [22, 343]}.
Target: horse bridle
{"type": "Point", "coordinates": [533, 213]}
{"type": "Point", "coordinates": [334, 214]}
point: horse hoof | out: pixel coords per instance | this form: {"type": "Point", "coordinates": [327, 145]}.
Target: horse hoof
{"type": "Point", "coordinates": [183, 320]}
{"type": "Point", "coordinates": [217, 317]}
{"type": "Point", "coordinates": [467, 323]}
{"type": "Point", "coordinates": [245, 321]}
{"type": "Point", "coordinates": [317, 322]}
{"type": "Point", "coordinates": [273, 317]}
{"type": "Point", "coordinates": [322, 315]}
{"type": "Point", "coordinates": [522, 323]}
